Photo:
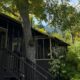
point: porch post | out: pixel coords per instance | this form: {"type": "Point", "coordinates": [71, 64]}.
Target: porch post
{"type": "Point", "coordinates": [12, 39]}
{"type": "Point", "coordinates": [6, 38]}
{"type": "Point", "coordinates": [50, 48]}
{"type": "Point", "coordinates": [43, 49]}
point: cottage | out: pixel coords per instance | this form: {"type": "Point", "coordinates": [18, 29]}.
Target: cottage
{"type": "Point", "coordinates": [11, 38]}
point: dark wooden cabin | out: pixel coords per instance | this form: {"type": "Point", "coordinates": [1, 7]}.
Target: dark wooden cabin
{"type": "Point", "coordinates": [11, 37]}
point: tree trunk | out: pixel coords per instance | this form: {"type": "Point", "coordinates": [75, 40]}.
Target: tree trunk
{"type": "Point", "coordinates": [23, 7]}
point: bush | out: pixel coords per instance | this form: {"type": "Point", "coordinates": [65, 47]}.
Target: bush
{"type": "Point", "coordinates": [67, 67]}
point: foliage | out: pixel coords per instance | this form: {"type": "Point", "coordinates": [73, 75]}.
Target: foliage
{"type": "Point", "coordinates": [35, 7]}
{"type": "Point", "coordinates": [69, 66]}
{"type": "Point", "coordinates": [57, 35]}
{"type": "Point", "coordinates": [64, 16]}
{"type": "Point", "coordinates": [57, 64]}
{"type": "Point", "coordinates": [73, 60]}
{"type": "Point", "coordinates": [67, 37]}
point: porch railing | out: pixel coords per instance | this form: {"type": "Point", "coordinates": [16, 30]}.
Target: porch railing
{"type": "Point", "coordinates": [41, 69]}
{"type": "Point", "coordinates": [19, 67]}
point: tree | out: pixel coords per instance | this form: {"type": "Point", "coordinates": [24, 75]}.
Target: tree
{"type": "Point", "coordinates": [64, 16]}
{"type": "Point", "coordinates": [22, 9]}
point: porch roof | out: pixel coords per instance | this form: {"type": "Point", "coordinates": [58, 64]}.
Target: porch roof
{"type": "Point", "coordinates": [61, 42]}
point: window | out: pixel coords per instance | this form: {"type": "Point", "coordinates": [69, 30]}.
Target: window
{"type": "Point", "coordinates": [16, 44]}
{"type": "Point", "coordinates": [42, 48]}
{"type": "Point", "coordinates": [3, 38]}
